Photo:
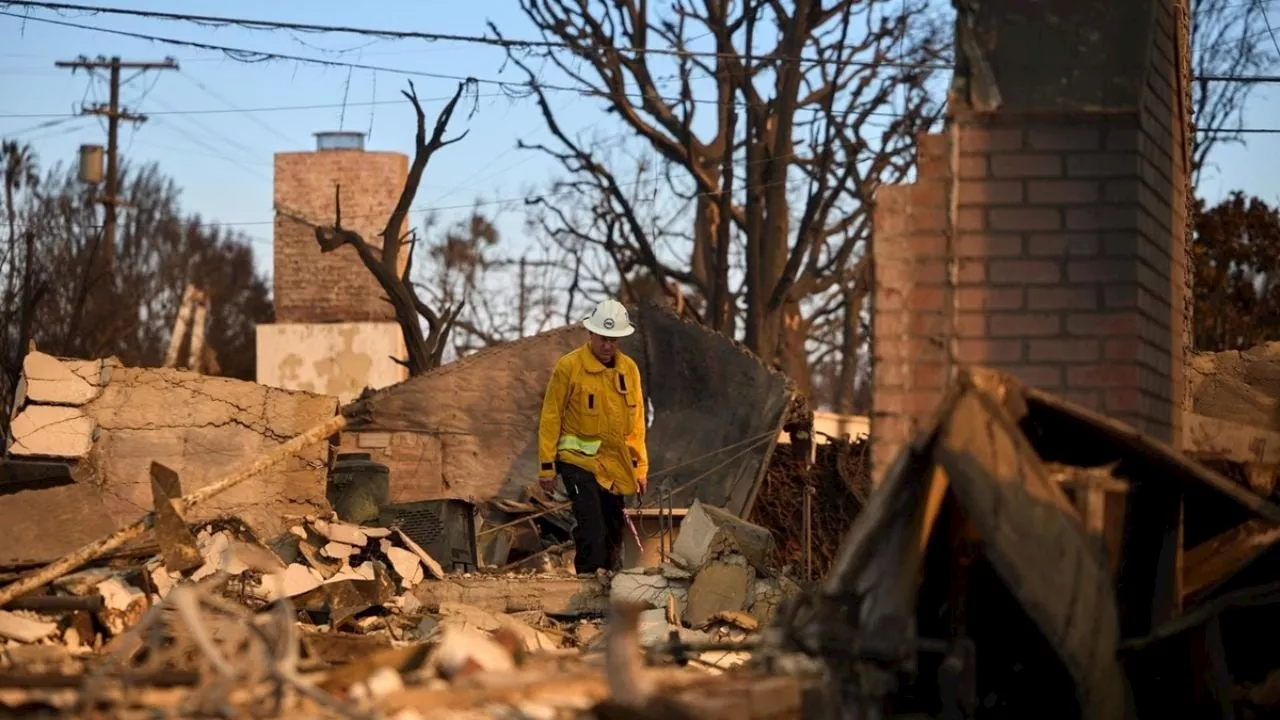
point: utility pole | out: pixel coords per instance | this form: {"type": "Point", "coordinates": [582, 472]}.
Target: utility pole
{"type": "Point", "coordinates": [114, 114]}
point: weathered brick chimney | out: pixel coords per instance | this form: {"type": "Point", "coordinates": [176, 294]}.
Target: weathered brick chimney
{"type": "Point", "coordinates": [334, 333]}
{"type": "Point", "coordinates": [1069, 228]}
{"type": "Point", "coordinates": [315, 287]}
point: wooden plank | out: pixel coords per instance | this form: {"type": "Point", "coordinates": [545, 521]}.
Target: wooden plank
{"type": "Point", "coordinates": [554, 596]}
{"type": "Point", "coordinates": [1216, 559]}
{"type": "Point", "coordinates": [179, 327]}
{"type": "Point", "coordinates": [1027, 524]}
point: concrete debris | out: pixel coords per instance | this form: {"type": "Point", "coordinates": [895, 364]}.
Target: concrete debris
{"type": "Point", "coordinates": [1238, 385]}
{"type": "Point", "coordinates": [429, 562]}
{"type": "Point", "coordinates": [340, 532]}
{"type": "Point", "coordinates": [52, 431]}
{"type": "Point", "coordinates": [226, 608]}
{"type": "Point", "coordinates": [709, 532]}
{"type": "Point", "coordinates": [24, 629]}
{"type": "Point", "coordinates": [383, 628]}
{"type": "Point", "coordinates": [649, 587]}
{"type": "Point", "coordinates": [298, 579]}
{"type": "Point", "coordinates": [454, 615]}
{"type": "Point", "coordinates": [50, 381]}
{"type": "Point", "coordinates": [719, 588]}
{"type": "Point", "coordinates": [108, 423]}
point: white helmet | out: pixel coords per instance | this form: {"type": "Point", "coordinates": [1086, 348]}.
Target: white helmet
{"type": "Point", "coordinates": [610, 319]}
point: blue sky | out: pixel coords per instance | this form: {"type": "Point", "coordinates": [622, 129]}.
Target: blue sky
{"type": "Point", "coordinates": [222, 161]}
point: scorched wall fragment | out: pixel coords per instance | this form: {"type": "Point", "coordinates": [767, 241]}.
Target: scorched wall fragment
{"type": "Point", "coordinates": [202, 427]}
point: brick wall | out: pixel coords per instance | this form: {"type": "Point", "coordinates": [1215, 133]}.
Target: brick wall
{"type": "Point", "coordinates": [315, 287]}
{"type": "Point", "coordinates": [1069, 247]}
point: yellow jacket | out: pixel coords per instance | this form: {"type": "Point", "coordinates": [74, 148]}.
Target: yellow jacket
{"type": "Point", "coordinates": [593, 417]}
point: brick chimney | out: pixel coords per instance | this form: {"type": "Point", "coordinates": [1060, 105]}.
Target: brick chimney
{"type": "Point", "coordinates": [315, 287]}
{"type": "Point", "coordinates": [1070, 225]}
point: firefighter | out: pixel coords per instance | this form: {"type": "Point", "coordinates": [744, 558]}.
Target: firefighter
{"type": "Point", "coordinates": [592, 436]}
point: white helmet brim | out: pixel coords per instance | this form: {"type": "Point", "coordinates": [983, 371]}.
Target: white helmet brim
{"type": "Point", "coordinates": [614, 332]}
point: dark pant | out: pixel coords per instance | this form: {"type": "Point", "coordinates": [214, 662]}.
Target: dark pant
{"type": "Point", "coordinates": [597, 536]}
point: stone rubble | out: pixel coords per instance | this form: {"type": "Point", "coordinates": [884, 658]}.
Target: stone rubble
{"type": "Point", "coordinates": [379, 621]}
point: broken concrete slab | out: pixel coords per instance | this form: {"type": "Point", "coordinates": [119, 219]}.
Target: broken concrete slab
{"type": "Point", "coordinates": [718, 588]}
{"type": "Point", "coordinates": [201, 427]}
{"type": "Point", "coordinates": [429, 562]}
{"type": "Point", "coordinates": [649, 588]}
{"type": "Point", "coordinates": [652, 628]}
{"type": "Point", "coordinates": [709, 532]}
{"type": "Point", "coordinates": [296, 580]}
{"type": "Point", "coordinates": [338, 551]}
{"type": "Point", "coordinates": [50, 381]}
{"type": "Point", "coordinates": [768, 594]}
{"type": "Point", "coordinates": [457, 615]}
{"type": "Point", "coordinates": [555, 596]}
{"type": "Point", "coordinates": [405, 563]}
{"type": "Point", "coordinates": [51, 431]}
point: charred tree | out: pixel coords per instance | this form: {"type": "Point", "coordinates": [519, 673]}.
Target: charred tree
{"type": "Point", "coordinates": [809, 107]}
{"type": "Point", "coordinates": [424, 349]}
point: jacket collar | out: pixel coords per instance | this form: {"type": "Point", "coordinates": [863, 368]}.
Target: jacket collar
{"type": "Point", "coordinates": [591, 363]}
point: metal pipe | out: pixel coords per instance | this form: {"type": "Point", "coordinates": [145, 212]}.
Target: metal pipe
{"type": "Point", "coordinates": [808, 533]}
{"type": "Point", "coordinates": [53, 603]}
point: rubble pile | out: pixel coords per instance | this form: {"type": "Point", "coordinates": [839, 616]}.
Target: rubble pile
{"type": "Point", "coordinates": [1238, 385]}
{"type": "Point", "coordinates": [336, 618]}
{"type": "Point", "coordinates": [840, 479]}
{"type": "Point", "coordinates": [720, 586]}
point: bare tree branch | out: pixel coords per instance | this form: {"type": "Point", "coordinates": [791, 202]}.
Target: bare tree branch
{"type": "Point", "coordinates": [804, 116]}
{"type": "Point", "coordinates": [425, 350]}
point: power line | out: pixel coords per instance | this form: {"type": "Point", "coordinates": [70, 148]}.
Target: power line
{"type": "Point", "coordinates": [384, 33]}
{"type": "Point", "coordinates": [1267, 21]}
{"type": "Point", "coordinates": [114, 113]}
{"type": "Point", "coordinates": [441, 98]}
{"type": "Point", "coordinates": [428, 36]}
{"type": "Point", "coordinates": [44, 125]}
{"type": "Point", "coordinates": [234, 109]}
{"type": "Point", "coordinates": [510, 89]}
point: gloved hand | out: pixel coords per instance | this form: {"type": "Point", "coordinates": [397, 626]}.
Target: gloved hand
{"type": "Point", "coordinates": [548, 483]}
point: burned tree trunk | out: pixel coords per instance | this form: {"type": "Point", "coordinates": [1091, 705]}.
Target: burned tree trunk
{"type": "Point", "coordinates": [425, 350]}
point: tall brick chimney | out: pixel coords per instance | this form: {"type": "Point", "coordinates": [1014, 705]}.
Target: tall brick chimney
{"type": "Point", "coordinates": [334, 333]}
{"type": "Point", "coordinates": [1068, 228]}
{"type": "Point", "coordinates": [315, 287]}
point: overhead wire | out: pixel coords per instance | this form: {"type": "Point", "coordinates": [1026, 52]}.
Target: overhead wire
{"type": "Point", "coordinates": [249, 113]}
{"type": "Point", "coordinates": [248, 55]}
{"type": "Point", "coordinates": [387, 34]}
{"type": "Point", "coordinates": [1267, 21]}
{"type": "Point", "coordinates": [501, 42]}
{"type": "Point", "coordinates": [508, 88]}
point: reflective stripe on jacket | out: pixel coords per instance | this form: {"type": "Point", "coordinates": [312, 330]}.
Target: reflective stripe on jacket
{"type": "Point", "coordinates": [593, 417]}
